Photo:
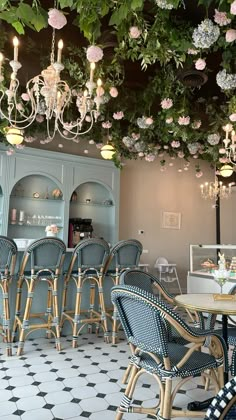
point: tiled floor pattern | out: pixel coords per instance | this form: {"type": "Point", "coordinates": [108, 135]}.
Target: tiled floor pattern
{"type": "Point", "coordinates": [82, 383]}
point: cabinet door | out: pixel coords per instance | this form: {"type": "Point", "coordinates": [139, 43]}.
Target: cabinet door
{"type": "Point", "coordinates": [35, 203]}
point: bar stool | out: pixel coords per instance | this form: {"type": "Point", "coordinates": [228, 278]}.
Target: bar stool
{"type": "Point", "coordinates": [86, 265]}
{"type": "Point", "coordinates": [45, 258]}
{"type": "Point", "coordinates": [8, 253]}
{"type": "Point", "coordinates": [125, 254]}
{"type": "Point", "coordinates": [167, 271]}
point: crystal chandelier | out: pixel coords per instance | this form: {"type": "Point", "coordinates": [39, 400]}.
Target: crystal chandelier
{"type": "Point", "coordinates": [215, 190]}
{"type": "Point", "coordinates": [48, 95]}
{"type": "Point", "coordinates": [229, 144]}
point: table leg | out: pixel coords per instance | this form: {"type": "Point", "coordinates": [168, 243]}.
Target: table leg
{"type": "Point", "coordinates": [225, 336]}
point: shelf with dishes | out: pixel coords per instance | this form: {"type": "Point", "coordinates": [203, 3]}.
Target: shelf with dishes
{"type": "Point", "coordinates": [36, 199]}
{"type": "Point", "coordinates": [92, 203]}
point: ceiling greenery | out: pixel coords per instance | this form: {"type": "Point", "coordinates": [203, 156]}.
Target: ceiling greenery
{"type": "Point", "coordinates": [184, 53]}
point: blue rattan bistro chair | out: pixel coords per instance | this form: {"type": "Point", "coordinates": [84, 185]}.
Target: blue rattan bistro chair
{"type": "Point", "coordinates": [86, 266]}
{"type": "Point", "coordinates": [41, 263]}
{"type": "Point", "coordinates": [223, 406]}
{"type": "Point", "coordinates": [147, 323]}
{"type": "Point", "coordinates": [8, 253]}
{"type": "Point", "coordinates": [123, 255]}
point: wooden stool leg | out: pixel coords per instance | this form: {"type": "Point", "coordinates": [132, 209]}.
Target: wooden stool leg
{"type": "Point", "coordinates": [103, 309]}
{"type": "Point", "coordinates": [56, 313]}
{"type": "Point", "coordinates": [76, 319]}
{"type": "Point", "coordinates": [26, 316]}
{"type": "Point", "coordinates": [91, 302]}
{"type": "Point", "coordinates": [6, 318]}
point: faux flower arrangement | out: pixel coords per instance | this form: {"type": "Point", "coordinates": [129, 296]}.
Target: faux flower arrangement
{"type": "Point", "coordinates": [162, 119]}
{"type": "Point", "coordinates": [54, 229]}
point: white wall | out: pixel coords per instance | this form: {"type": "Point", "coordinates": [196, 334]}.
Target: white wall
{"type": "Point", "coordinates": [146, 192]}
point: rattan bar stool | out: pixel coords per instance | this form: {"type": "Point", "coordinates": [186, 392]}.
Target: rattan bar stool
{"type": "Point", "coordinates": [89, 258]}
{"type": "Point", "coordinates": [45, 258]}
{"type": "Point", "coordinates": [124, 255]}
{"type": "Point", "coordinates": [8, 253]}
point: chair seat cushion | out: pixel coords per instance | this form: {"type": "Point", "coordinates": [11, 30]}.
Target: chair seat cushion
{"type": "Point", "coordinates": [193, 366]}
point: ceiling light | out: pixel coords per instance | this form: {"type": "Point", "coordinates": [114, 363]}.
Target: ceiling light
{"type": "Point", "coordinates": [226, 171]}
{"type": "Point", "coordinates": [14, 136]}
{"type": "Point", "coordinates": [108, 151]}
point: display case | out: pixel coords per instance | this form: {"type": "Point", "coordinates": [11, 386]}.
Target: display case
{"type": "Point", "coordinates": [203, 261]}
{"type": "Point", "coordinates": [204, 258]}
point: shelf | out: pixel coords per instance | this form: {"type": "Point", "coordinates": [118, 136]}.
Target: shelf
{"type": "Point", "coordinates": [33, 225]}
{"type": "Point", "coordinates": [36, 199]}
{"type": "Point", "coordinates": [80, 203]}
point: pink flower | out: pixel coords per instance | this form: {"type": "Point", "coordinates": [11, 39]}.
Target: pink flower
{"type": "Point", "coordinates": [233, 8]}
{"type": "Point", "coordinates": [56, 19]}
{"type": "Point", "coordinates": [19, 107]}
{"type": "Point", "coordinates": [223, 160]}
{"type": "Point", "coordinates": [232, 117]}
{"type": "Point", "coordinates": [169, 120]}
{"type": "Point", "coordinates": [184, 120]}
{"type": "Point", "coordinates": [39, 118]}
{"type": "Point", "coordinates": [222, 151]}
{"type": "Point", "coordinates": [200, 64]}
{"type": "Point", "coordinates": [230, 35]}
{"type": "Point", "coordinates": [106, 124]}
{"type": "Point", "coordinates": [29, 139]}
{"type": "Point", "coordinates": [113, 92]}
{"type": "Point", "coordinates": [181, 154]}
{"type": "Point", "coordinates": [150, 158]}
{"type": "Point", "coordinates": [166, 103]}
{"type": "Point", "coordinates": [221, 18]}
{"type": "Point", "coordinates": [134, 32]}
{"type": "Point", "coordinates": [199, 174]}
{"type": "Point", "coordinates": [118, 115]}
{"type": "Point", "coordinates": [25, 96]}
{"type": "Point", "coordinates": [99, 145]}
{"type": "Point", "coordinates": [88, 118]}
{"type": "Point", "coordinates": [10, 152]}
{"type": "Point", "coordinates": [94, 54]}
{"type": "Point", "coordinates": [135, 136]}
{"type": "Point", "coordinates": [175, 143]}
{"type": "Point", "coordinates": [149, 121]}
{"type": "Point", "coordinates": [196, 124]}
{"type": "Point", "coordinates": [65, 133]}
{"type": "Point", "coordinates": [20, 146]}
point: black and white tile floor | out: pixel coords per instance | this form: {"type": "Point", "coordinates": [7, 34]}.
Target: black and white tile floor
{"type": "Point", "coordinates": [82, 383]}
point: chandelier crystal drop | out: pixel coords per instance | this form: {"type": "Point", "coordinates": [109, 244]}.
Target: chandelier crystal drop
{"type": "Point", "coordinates": [48, 95]}
{"type": "Point", "coordinates": [215, 190]}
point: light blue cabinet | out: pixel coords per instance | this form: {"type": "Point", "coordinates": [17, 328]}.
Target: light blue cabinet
{"type": "Point", "coordinates": [28, 180]}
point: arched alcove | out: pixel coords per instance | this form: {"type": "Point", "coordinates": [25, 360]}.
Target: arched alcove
{"type": "Point", "coordinates": [35, 202]}
{"type": "Point", "coordinates": [91, 213]}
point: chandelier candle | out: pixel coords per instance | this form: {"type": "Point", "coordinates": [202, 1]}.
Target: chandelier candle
{"type": "Point", "coordinates": [15, 44]}
{"type": "Point", "coordinates": [59, 51]}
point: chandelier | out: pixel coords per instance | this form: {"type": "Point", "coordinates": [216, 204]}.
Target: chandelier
{"type": "Point", "coordinates": [215, 190]}
{"type": "Point", "coordinates": [229, 144]}
{"type": "Point", "coordinates": [49, 96]}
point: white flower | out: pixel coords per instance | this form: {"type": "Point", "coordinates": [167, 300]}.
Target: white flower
{"type": "Point", "coordinates": [232, 117]}
{"type": "Point", "coordinates": [192, 51]}
{"type": "Point", "coordinates": [205, 34]}
{"type": "Point", "coordinates": [118, 115]}
{"type": "Point", "coordinates": [164, 4]}
{"type": "Point", "coordinates": [166, 103]}
{"type": "Point", "coordinates": [56, 19]}
{"type": "Point", "coordinates": [184, 120]}
{"type": "Point", "coordinates": [213, 139]}
{"type": "Point", "coordinates": [226, 81]}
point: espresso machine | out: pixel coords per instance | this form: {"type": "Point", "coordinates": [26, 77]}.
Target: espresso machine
{"type": "Point", "coordinates": [78, 230]}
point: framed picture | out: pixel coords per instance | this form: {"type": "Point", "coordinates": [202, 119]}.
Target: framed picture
{"type": "Point", "coordinates": [170, 220]}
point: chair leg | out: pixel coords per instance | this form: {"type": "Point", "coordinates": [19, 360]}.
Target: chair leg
{"type": "Point", "coordinates": [6, 319]}
{"type": "Point", "coordinates": [177, 279]}
{"type": "Point", "coordinates": [77, 313]}
{"type": "Point", "coordinates": [103, 309]}
{"type": "Point", "coordinates": [166, 412]}
{"type": "Point", "coordinates": [56, 314]}
{"type": "Point", "coordinates": [127, 397]}
{"type": "Point", "coordinates": [26, 317]}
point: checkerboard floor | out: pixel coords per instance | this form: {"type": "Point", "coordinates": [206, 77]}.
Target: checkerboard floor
{"type": "Point", "coordinates": [82, 383]}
